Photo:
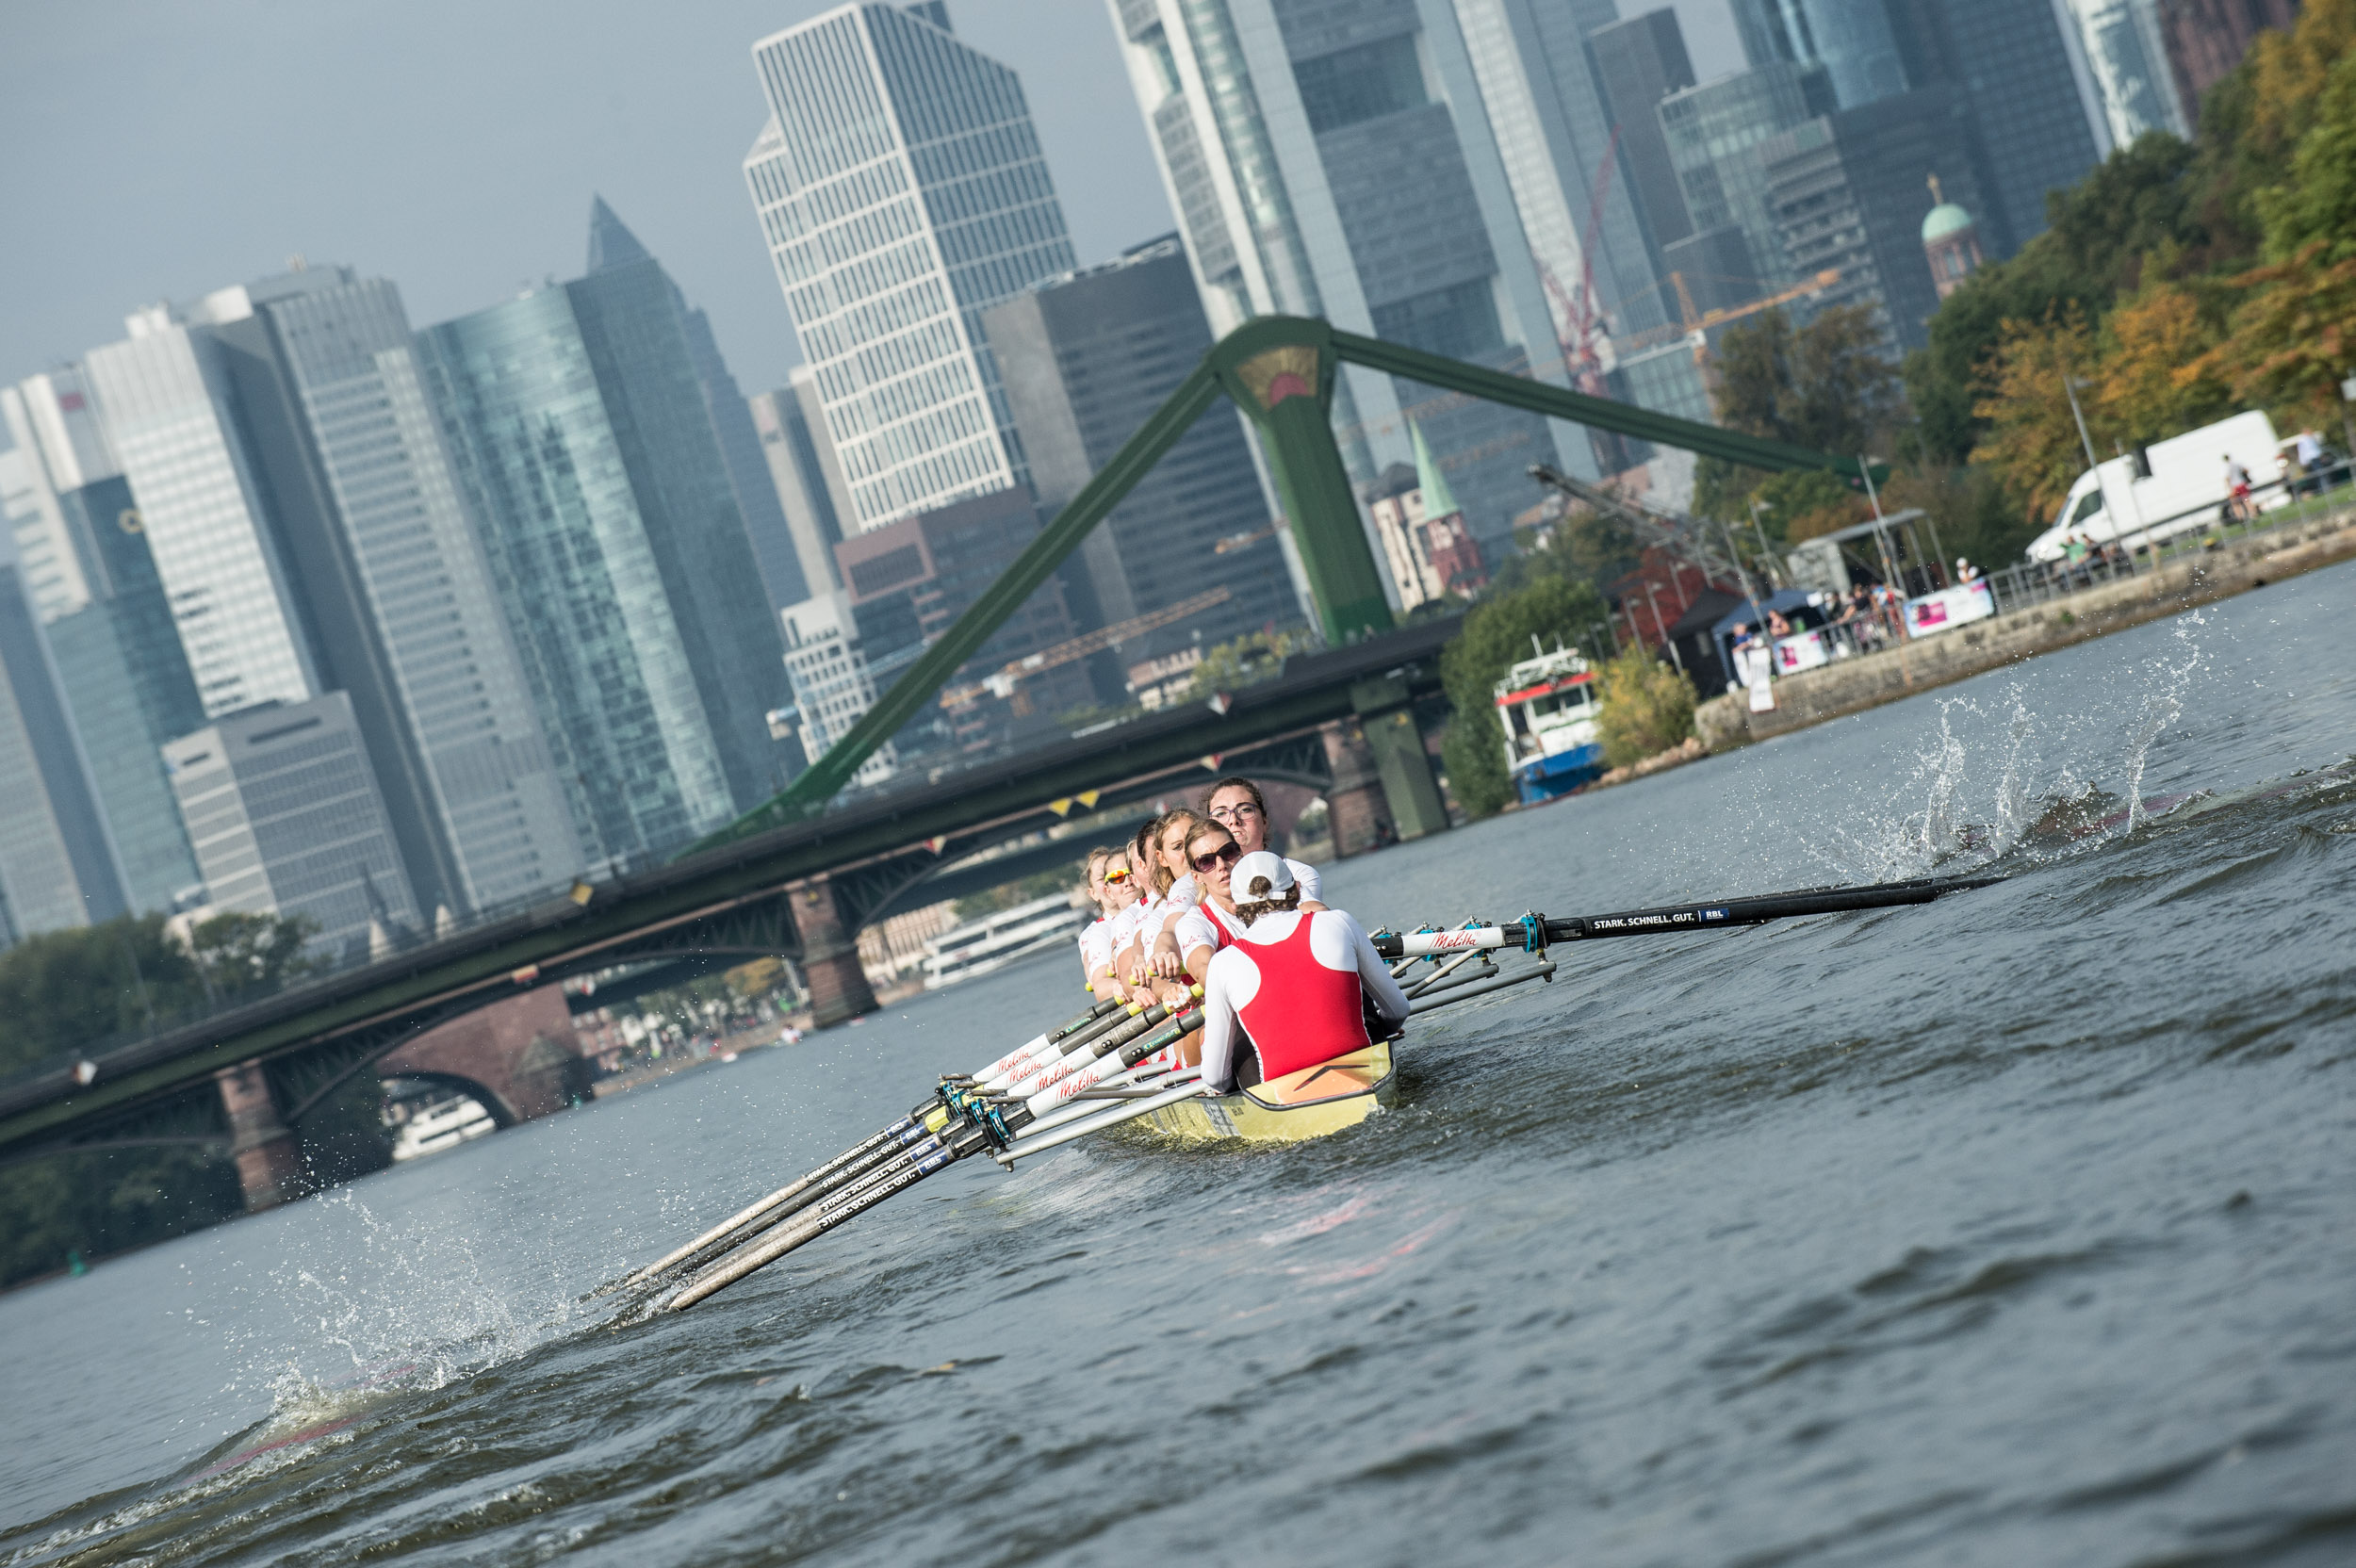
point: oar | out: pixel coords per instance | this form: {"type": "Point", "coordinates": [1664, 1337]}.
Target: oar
{"type": "Point", "coordinates": [988, 1124]}
{"type": "Point", "coordinates": [992, 1123]}
{"type": "Point", "coordinates": [1533, 933]}
{"type": "Point", "coordinates": [1104, 1011]}
{"type": "Point", "coordinates": [1104, 1028]}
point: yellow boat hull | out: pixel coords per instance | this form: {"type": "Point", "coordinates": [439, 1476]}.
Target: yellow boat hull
{"type": "Point", "coordinates": [1305, 1104]}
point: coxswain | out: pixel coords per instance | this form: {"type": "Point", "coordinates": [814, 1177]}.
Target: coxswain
{"type": "Point", "coordinates": [1291, 989]}
{"type": "Point", "coordinates": [1235, 804]}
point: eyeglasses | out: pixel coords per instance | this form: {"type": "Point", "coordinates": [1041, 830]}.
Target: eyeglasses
{"type": "Point", "coordinates": [1120, 875]}
{"type": "Point", "coordinates": [1225, 855]}
{"type": "Point", "coordinates": [1229, 813]}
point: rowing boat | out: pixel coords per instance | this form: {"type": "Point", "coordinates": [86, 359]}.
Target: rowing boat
{"type": "Point", "coordinates": [1300, 1105]}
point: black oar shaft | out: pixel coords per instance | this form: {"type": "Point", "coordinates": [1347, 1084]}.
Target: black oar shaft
{"type": "Point", "coordinates": [1754, 911]}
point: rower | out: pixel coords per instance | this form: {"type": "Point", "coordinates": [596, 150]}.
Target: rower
{"type": "Point", "coordinates": [1291, 990]}
{"type": "Point", "coordinates": [1096, 936]}
{"type": "Point", "coordinates": [1158, 857]}
{"type": "Point", "coordinates": [1235, 804]}
{"type": "Point", "coordinates": [1119, 919]}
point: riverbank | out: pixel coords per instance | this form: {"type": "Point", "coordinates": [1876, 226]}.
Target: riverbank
{"type": "Point", "coordinates": [1852, 685]}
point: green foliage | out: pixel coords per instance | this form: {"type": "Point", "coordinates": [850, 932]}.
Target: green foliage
{"type": "Point", "coordinates": [1496, 636]}
{"type": "Point", "coordinates": [1582, 546]}
{"type": "Point", "coordinates": [94, 1204]}
{"type": "Point", "coordinates": [1969, 510]}
{"type": "Point", "coordinates": [1231, 666]}
{"type": "Point", "coordinates": [2317, 206]}
{"type": "Point", "coordinates": [1827, 387]}
{"type": "Point", "coordinates": [1647, 708]}
{"type": "Point", "coordinates": [245, 956]}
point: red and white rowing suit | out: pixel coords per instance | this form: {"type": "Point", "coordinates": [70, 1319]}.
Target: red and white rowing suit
{"type": "Point", "coordinates": [1289, 987]}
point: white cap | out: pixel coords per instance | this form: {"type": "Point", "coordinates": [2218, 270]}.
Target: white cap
{"type": "Point", "coordinates": [1255, 869]}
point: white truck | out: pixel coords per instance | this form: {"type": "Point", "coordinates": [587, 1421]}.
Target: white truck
{"type": "Point", "coordinates": [2173, 487]}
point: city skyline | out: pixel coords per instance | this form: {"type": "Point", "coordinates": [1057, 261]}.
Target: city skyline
{"type": "Point", "coordinates": [657, 123]}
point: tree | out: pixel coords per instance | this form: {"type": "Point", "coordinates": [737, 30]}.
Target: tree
{"type": "Point", "coordinates": [1231, 666]}
{"type": "Point", "coordinates": [2155, 381]}
{"type": "Point", "coordinates": [1496, 634]}
{"type": "Point", "coordinates": [2317, 206]}
{"type": "Point", "coordinates": [1647, 708]}
{"type": "Point", "coordinates": [1806, 504]}
{"type": "Point", "coordinates": [244, 957]}
{"type": "Point", "coordinates": [1827, 387]}
{"type": "Point", "coordinates": [76, 989]}
{"type": "Point", "coordinates": [2295, 338]}
{"type": "Point", "coordinates": [2033, 439]}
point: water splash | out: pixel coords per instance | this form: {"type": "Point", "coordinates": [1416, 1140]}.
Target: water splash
{"type": "Point", "coordinates": [2161, 709]}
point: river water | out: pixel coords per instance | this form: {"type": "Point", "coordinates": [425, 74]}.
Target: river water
{"type": "Point", "coordinates": [2015, 1229]}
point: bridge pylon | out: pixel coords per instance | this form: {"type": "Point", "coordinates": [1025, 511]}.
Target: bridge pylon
{"type": "Point", "coordinates": [838, 990]}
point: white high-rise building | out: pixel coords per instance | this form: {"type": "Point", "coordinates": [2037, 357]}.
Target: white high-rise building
{"type": "Point", "coordinates": [1433, 172]}
{"type": "Point", "coordinates": [901, 189]}
{"type": "Point", "coordinates": [2126, 55]}
{"type": "Point", "coordinates": [164, 396]}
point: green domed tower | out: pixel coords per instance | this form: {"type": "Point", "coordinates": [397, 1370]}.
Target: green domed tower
{"type": "Point", "coordinates": [1952, 241]}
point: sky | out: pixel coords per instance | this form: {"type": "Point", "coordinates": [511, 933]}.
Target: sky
{"type": "Point", "coordinates": [160, 149]}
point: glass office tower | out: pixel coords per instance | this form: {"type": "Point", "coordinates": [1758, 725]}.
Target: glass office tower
{"type": "Point", "coordinates": [393, 587]}
{"type": "Point", "coordinates": [1427, 174]}
{"type": "Point", "coordinates": [118, 664]}
{"type": "Point", "coordinates": [572, 559]}
{"type": "Point", "coordinates": [1851, 38]}
{"type": "Point", "coordinates": [901, 190]}
{"type": "Point", "coordinates": [165, 401]}
{"type": "Point", "coordinates": [57, 867]}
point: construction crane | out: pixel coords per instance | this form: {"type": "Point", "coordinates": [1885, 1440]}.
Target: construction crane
{"type": "Point", "coordinates": [1686, 537]}
{"type": "Point", "coordinates": [1003, 682]}
{"type": "Point", "coordinates": [1696, 326]}
{"type": "Point", "coordinates": [1581, 319]}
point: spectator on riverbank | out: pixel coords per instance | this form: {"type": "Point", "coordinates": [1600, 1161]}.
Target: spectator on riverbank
{"type": "Point", "coordinates": [1965, 571]}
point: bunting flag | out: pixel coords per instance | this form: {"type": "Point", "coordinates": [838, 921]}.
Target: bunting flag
{"type": "Point", "coordinates": [1218, 703]}
{"type": "Point", "coordinates": [934, 844]}
{"type": "Point", "coordinates": [1209, 763]}
{"type": "Point", "coordinates": [1088, 798]}
{"type": "Point", "coordinates": [1061, 807]}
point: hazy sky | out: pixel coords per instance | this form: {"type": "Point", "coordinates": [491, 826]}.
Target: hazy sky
{"type": "Point", "coordinates": [154, 149]}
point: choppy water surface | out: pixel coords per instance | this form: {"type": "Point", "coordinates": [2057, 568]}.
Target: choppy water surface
{"type": "Point", "coordinates": [2014, 1229]}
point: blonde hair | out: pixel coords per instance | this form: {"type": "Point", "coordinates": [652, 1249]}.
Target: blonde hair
{"type": "Point", "coordinates": [1148, 845]}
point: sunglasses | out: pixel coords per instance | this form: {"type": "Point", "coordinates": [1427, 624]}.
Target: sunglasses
{"type": "Point", "coordinates": [1225, 855]}
{"type": "Point", "coordinates": [1120, 875]}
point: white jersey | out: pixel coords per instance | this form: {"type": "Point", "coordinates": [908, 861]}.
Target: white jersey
{"type": "Point", "coordinates": [1096, 946]}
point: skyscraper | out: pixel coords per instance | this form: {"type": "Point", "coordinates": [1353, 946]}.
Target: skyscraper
{"type": "Point", "coordinates": [2011, 60]}
{"type": "Point", "coordinates": [1851, 38]}
{"type": "Point", "coordinates": [572, 553]}
{"type": "Point", "coordinates": [1639, 62]}
{"type": "Point", "coordinates": [1427, 174]}
{"type": "Point", "coordinates": [611, 248]}
{"type": "Point", "coordinates": [166, 403]}
{"type": "Point", "coordinates": [1087, 358]}
{"type": "Point", "coordinates": [807, 475]}
{"type": "Point", "coordinates": [57, 867]}
{"type": "Point", "coordinates": [119, 667]}
{"type": "Point", "coordinates": [283, 807]}
{"type": "Point", "coordinates": [1714, 134]}
{"type": "Point", "coordinates": [1850, 190]}
{"type": "Point", "coordinates": [901, 190]}
{"type": "Point", "coordinates": [2126, 49]}
{"type": "Point", "coordinates": [394, 588]}
{"type": "Point", "coordinates": [659, 391]}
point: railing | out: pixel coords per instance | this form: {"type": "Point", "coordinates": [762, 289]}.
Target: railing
{"type": "Point", "coordinates": [2188, 533]}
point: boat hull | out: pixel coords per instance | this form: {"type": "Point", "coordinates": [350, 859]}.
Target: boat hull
{"type": "Point", "coordinates": [1300, 1105]}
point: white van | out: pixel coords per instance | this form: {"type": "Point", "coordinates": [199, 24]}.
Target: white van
{"type": "Point", "coordinates": [2178, 485]}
